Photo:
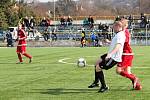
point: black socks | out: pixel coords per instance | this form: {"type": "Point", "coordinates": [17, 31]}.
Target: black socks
{"type": "Point", "coordinates": [101, 78]}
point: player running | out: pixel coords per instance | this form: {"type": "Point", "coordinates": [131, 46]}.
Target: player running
{"type": "Point", "coordinates": [21, 47]}
{"type": "Point", "coordinates": [124, 67]}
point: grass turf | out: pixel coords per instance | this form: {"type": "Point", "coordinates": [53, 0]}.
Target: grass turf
{"type": "Point", "coordinates": [47, 79]}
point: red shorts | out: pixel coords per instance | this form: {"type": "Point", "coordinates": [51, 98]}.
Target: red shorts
{"type": "Point", "coordinates": [126, 61]}
{"type": "Point", "coordinates": [21, 49]}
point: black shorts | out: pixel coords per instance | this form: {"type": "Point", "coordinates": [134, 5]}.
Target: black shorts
{"type": "Point", "coordinates": [107, 64]}
{"type": "Point", "coordinates": [82, 39]}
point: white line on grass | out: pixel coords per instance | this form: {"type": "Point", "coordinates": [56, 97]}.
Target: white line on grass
{"type": "Point", "coordinates": [62, 61]}
{"type": "Point", "coordinates": [65, 62]}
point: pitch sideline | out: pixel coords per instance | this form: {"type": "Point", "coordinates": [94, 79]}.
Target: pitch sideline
{"type": "Point", "coordinates": [63, 60]}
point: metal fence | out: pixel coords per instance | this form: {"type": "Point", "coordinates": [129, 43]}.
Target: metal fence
{"type": "Point", "coordinates": [140, 36]}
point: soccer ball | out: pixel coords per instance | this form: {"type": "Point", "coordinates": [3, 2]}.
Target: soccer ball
{"type": "Point", "coordinates": [81, 62]}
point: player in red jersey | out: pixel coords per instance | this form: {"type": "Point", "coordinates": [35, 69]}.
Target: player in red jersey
{"type": "Point", "coordinates": [21, 47]}
{"type": "Point", "coordinates": [124, 67]}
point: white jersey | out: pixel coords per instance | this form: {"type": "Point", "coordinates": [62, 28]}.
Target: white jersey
{"type": "Point", "coordinates": [118, 38]}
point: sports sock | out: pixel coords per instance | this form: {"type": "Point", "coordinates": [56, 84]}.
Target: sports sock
{"type": "Point", "coordinates": [27, 55]}
{"type": "Point", "coordinates": [96, 77]}
{"type": "Point", "coordinates": [133, 76]}
{"type": "Point", "coordinates": [19, 57]}
{"type": "Point", "coordinates": [125, 74]}
{"type": "Point", "coordinates": [101, 78]}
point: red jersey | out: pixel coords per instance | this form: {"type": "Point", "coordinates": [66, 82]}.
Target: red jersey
{"type": "Point", "coordinates": [21, 35]}
{"type": "Point", "coordinates": [127, 48]}
{"type": "Point", "coordinates": [127, 56]}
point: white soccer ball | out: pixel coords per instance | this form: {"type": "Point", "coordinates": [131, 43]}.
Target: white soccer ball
{"type": "Point", "coordinates": [81, 62]}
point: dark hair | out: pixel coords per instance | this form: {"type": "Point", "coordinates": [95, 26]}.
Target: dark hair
{"type": "Point", "coordinates": [23, 26]}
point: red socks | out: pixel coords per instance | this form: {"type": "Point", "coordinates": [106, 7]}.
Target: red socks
{"type": "Point", "coordinates": [125, 74]}
{"type": "Point", "coordinates": [19, 57]}
{"type": "Point", "coordinates": [27, 55]}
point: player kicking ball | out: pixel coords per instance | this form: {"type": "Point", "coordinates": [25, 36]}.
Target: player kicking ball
{"type": "Point", "coordinates": [110, 59]}
{"type": "Point", "coordinates": [21, 47]}
{"type": "Point", "coordinates": [124, 67]}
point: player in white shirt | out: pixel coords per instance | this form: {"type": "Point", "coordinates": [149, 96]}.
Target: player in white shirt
{"type": "Point", "coordinates": [111, 58]}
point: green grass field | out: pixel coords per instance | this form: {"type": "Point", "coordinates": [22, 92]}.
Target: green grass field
{"type": "Point", "coordinates": [47, 79]}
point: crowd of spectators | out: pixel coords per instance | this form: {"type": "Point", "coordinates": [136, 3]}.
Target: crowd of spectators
{"type": "Point", "coordinates": [96, 32]}
{"type": "Point", "coordinates": [66, 21]}
{"type": "Point", "coordinates": [141, 22]}
{"type": "Point", "coordinates": [104, 30]}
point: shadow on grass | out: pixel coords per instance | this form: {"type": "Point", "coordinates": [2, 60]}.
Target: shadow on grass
{"type": "Point", "coordinates": [3, 63]}
{"type": "Point", "coordinates": [59, 91]}
{"type": "Point", "coordinates": [8, 63]}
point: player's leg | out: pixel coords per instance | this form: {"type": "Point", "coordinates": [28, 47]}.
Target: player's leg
{"type": "Point", "coordinates": [126, 72]}
{"type": "Point", "coordinates": [95, 83]}
{"type": "Point", "coordinates": [135, 82]}
{"type": "Point", "coordinates": [123, 72]}
{"type": "Point", "coordinates": [124, 69]}
{"type": "Point", "coordinates": [28, 56]}
{"type": "Point", "coordinates": [20, 58]}
{"type": "Point", "coordinates": [105, 64]}
{"type": "Point", "coordinates": [101, 77]}
{"type": "Point", "coordinates": [19, 55]}
{"type": "Point", "coordinates": [82, 42]}
{"type": "Point", "coordinates": [25, 54]}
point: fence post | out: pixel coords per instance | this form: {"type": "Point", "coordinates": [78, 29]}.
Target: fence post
{"type": "Point", "coordinates": [146, 34]}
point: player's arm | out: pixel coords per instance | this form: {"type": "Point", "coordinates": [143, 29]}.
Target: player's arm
{"type": "Point", "coordinates": [117, 47]}
{"type": "Point", "coordinates": [119, 44]}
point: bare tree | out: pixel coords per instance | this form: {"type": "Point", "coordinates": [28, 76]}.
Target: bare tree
{"type": "Point", "coordinates": [66, 7]}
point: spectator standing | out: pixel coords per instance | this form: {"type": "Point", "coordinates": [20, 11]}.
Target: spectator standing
{"type": "Point", "coordinates": [9, 39]}
{"type": "Point", "coordinates": [91, 21]}
{"type": "Point", "coordinates": [32, 24]}
{"type": "Point", "coordinates": [54, 36]}
{"type": "Point", "coordinates": [69, 21]}
{"type": "Point", "coordinates": [93, 38]}
{"type": "Point", "coordinates": [26, 22]}
{"type": "Point", "coordinates": [43, 22]}
{"type": "Point", "coordinates": [44, 26]}
{"type": "Point", "coordinates": [83, 42]}
{"type": "Point", "coordinates": [130, 18]}
{"type": "Point", "coordinates": [144, 21]}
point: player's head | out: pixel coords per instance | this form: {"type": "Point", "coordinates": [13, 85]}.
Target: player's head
{"type": "Point", "coordinates": [21, 26]}
{"type": "Point", "coordinates": [124, 23]}
{"type": "Point", "coordinates": [117, 26]}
